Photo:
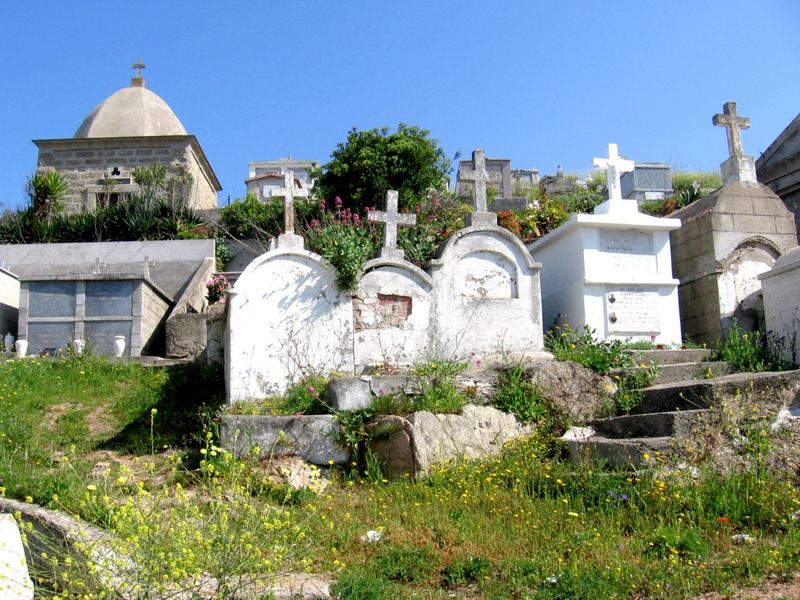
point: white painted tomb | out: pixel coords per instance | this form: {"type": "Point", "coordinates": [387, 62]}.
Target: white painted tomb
{"type": "Point", "coordinates": [611, 270]}
{"type": "Point", "coordinates": [780, 287]}
{"type": "Point", "coordinates": [287, 319]}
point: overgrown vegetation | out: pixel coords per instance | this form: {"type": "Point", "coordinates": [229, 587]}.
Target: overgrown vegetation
{"type": "Point", "coordinates": [750, 351]}
{"type": "Point", "coordinates": [526, 523]}
{"type": "Point", "coordinates": [517, 394]}
{"type": "Point", "coordinates": [158, 212]}
{"type": "Point", "coordinates": [583, 347]}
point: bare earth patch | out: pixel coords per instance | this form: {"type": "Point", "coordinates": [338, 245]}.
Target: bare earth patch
{"type": "Point", "coordinates": [769, 590]}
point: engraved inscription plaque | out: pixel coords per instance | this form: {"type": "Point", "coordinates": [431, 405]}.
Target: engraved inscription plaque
{"type": "Point", "coordinates": [632, 310]}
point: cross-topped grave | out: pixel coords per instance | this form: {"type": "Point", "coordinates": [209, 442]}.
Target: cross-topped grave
{"type": "Point", "coordinates": [391, 219]}
{"type": "Point", "coordinates": [479, 177]}
{"type": "Point", "coordinates": [738, 167]}
{"type": "Point", "coordinates": [289, 192]}
{"type": "Point", "coordinates": [98, 265]}
{"type": "Point", "coordinates": [615, 166]}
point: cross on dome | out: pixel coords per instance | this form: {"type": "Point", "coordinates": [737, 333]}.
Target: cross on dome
{"type": "Point", "coordinates": [289, 192]}
{"type": "Point", "coordinates": [138, 65]}
{"type": "Point", "coordinates": [615, 166]}
{"type": "Point", "coordinates": [734, 124]}
{"type": "Point", "coordinates": [391, 219]}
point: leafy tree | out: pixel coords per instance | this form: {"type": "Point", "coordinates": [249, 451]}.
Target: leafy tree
{"type": "Point", "coordinates": [45, 191]}
{"type": "Point", "coordinates": [368, 163]}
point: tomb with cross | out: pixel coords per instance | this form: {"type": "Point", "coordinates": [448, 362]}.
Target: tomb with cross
{"type": "Point", "coordinates": [615, 165]}
{"type": "Point", "coordinates": [289, 192]}
{"type": "Point", "coordinates": [479, 177]}
{"type": "Point", "coordinates": [738, 166]}
{"type": "Point", "coordinates": [392, 219]}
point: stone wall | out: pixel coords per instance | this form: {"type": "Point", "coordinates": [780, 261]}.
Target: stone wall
{"type": "Point", "coordinates": [86, 162]}
{"type": "Point", "coordinates": [781, 288]}
{"type": "Point", "coordinates": [725, 241]}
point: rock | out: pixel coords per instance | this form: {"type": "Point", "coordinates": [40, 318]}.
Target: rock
{"type": "Point", "coordinates": [356, 393]}
{"type": "Point", "coordinates": [478, 431]}
{"type": "Point", "coordinates": [373, 536]}
{"type": "Point", "coordinates": [390, 441]}
{"type": "Point", "coordinates": [311, 437]}
{"type": "Point", "coordinates": [296, 473]}
{"type": "Point", "coordinates": [743, 538]}
{"type": "Point", "coordinates": [15, 583]}
{"type": "Point", "coordinates": [578, 392]}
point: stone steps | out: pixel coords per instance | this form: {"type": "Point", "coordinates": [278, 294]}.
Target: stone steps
{"type": "Point", "coordinates": [671, 357]}
{"type": "Point", "coordinates": [669, 411]}
{"type": "Point", "coordinates": [663, 424]}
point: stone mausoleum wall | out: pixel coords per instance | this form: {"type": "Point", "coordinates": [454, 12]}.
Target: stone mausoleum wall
{"type": "Point", "coordinates": [726, 240]}
{"type": "Point", "coordinates": [86, 162]}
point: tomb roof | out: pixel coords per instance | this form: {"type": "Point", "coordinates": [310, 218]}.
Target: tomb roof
{"type": "Point", "coordinates": [132, 111]}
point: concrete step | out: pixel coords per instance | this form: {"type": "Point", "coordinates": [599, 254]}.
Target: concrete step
{"type": "Point", "coordinates": [664, 424]}
{"type": "Point", "coordinates": [685, 371]}
{"type": "Point", "coordinates": [774, 389]}
{"type": "Point", "coordinates": [620, 453]}
{"type": "Point", "coordinates": [671, 357]}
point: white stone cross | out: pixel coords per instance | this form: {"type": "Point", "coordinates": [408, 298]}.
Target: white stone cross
{"type": "Point", "coordinates": [479, 177]}
{"type": "Point", "coordinates": [391, 219]}
{"type": "Point", "coordinates": [289, 192]}
{"type": "Point", "coordinates": [615, 166]}
{"type": "Point", "coordinates": [734, 124]}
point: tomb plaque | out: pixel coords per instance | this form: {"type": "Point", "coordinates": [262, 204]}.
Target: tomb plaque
{"type": "Point", "coordinates": [628, 251]}
{"type": "Point", "coordinates": [632, 310]}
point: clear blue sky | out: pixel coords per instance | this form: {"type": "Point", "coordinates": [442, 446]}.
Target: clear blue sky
{"type": "Point", "coordinates": [541, 83]}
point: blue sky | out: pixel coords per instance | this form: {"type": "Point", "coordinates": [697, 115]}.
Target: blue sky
{"type": "Point", "coordinates": [541, 83]}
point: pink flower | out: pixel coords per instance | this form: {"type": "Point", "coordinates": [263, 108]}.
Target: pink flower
{"type": "Point", "coordinates": [338, 202]}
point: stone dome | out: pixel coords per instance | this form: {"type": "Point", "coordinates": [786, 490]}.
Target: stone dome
{"type": "Point", "coordinates": [131, 112]}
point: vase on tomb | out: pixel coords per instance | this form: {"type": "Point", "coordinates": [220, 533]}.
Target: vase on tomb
{"type": "Point", "coordinates": [119, 345]}
{"type": "Point", "coordinates": [8, 343]}
{"type": "Point", "coordinates": [21, 346]}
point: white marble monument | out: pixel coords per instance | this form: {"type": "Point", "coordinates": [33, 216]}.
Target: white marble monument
{"type": "Point", "coordinates": [611, 270]}
{"type": "Point", "coordinates": [780, 287]}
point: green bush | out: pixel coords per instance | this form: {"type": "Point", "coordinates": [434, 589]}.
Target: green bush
{"type": "Point", "coordinates": [469, 570]}
{"type": "Point", "coordinates": [517, 394]}
{"type": "Point", "coordinates": [307, 397]}
{"type": "Point", "coordinates": [749, 351]}
{"type": "Point", "coordinates": [437, 383]}
{"type": "Point", "coordinates": [406, 564]}
{"type": "Point", "coordinates": [583, 348]}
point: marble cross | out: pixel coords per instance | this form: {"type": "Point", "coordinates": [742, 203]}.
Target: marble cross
{"type": "Point", "coordinates": [615, 166]}
{"type": "Point", "coordinates": [479, 177]}
{"type": "Point", "coordinates": [734, 124]}
{"type": "Point", "coordinates": [391, 219]}
{"type": "Point", "coordinates": [289, 192]}
{"type": "Point", "coordinates": [138, 65]}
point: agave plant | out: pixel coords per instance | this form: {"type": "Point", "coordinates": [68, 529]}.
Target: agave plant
{"type": "Point", "coordinates": [46, 189]}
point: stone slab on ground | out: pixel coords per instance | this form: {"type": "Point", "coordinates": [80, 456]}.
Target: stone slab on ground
{"type": "Point", "coordinates": [671, 357]}
{"type": "Point", "coordinates": [356, 393]}
{"type": "Point", "coordinates": [15, 582]}
{"type": "Point", "coordinates": [311, 437]}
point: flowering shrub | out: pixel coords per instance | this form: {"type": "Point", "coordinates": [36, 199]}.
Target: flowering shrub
{"type": "Point", "coordinates": [217, 287]}
{"type": "Point", "coordinates": [345, 239]}
{"type": "Point", "coordinates": [438, 216]}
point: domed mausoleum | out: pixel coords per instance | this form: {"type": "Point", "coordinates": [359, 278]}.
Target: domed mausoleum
{"type": "Point", "coordinates": [133, 127]}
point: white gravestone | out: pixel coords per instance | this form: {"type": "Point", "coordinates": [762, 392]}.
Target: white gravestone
{"type": "Point", "coordinates": [611, 270]}
{"type": "Point", "coordinates": [286, 320]}
{"type": "Point", "coordinates": [392, 304]}
{"type": "Point", "coordinates": [487, 296]}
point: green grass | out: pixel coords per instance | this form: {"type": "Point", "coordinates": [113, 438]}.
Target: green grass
{"type": "Point", "coordinates": [524, 524]}
{"type": "Point", "coordinates": [54, 412]}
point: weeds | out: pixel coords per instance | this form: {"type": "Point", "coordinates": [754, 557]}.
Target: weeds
{"type": "Point", "coordinates": [582, 347]}
{"type": "Point", "coordinates": [749, 351]}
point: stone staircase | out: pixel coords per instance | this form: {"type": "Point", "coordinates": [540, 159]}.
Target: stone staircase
{"type": "Point", "coordinates": [686, 387]}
